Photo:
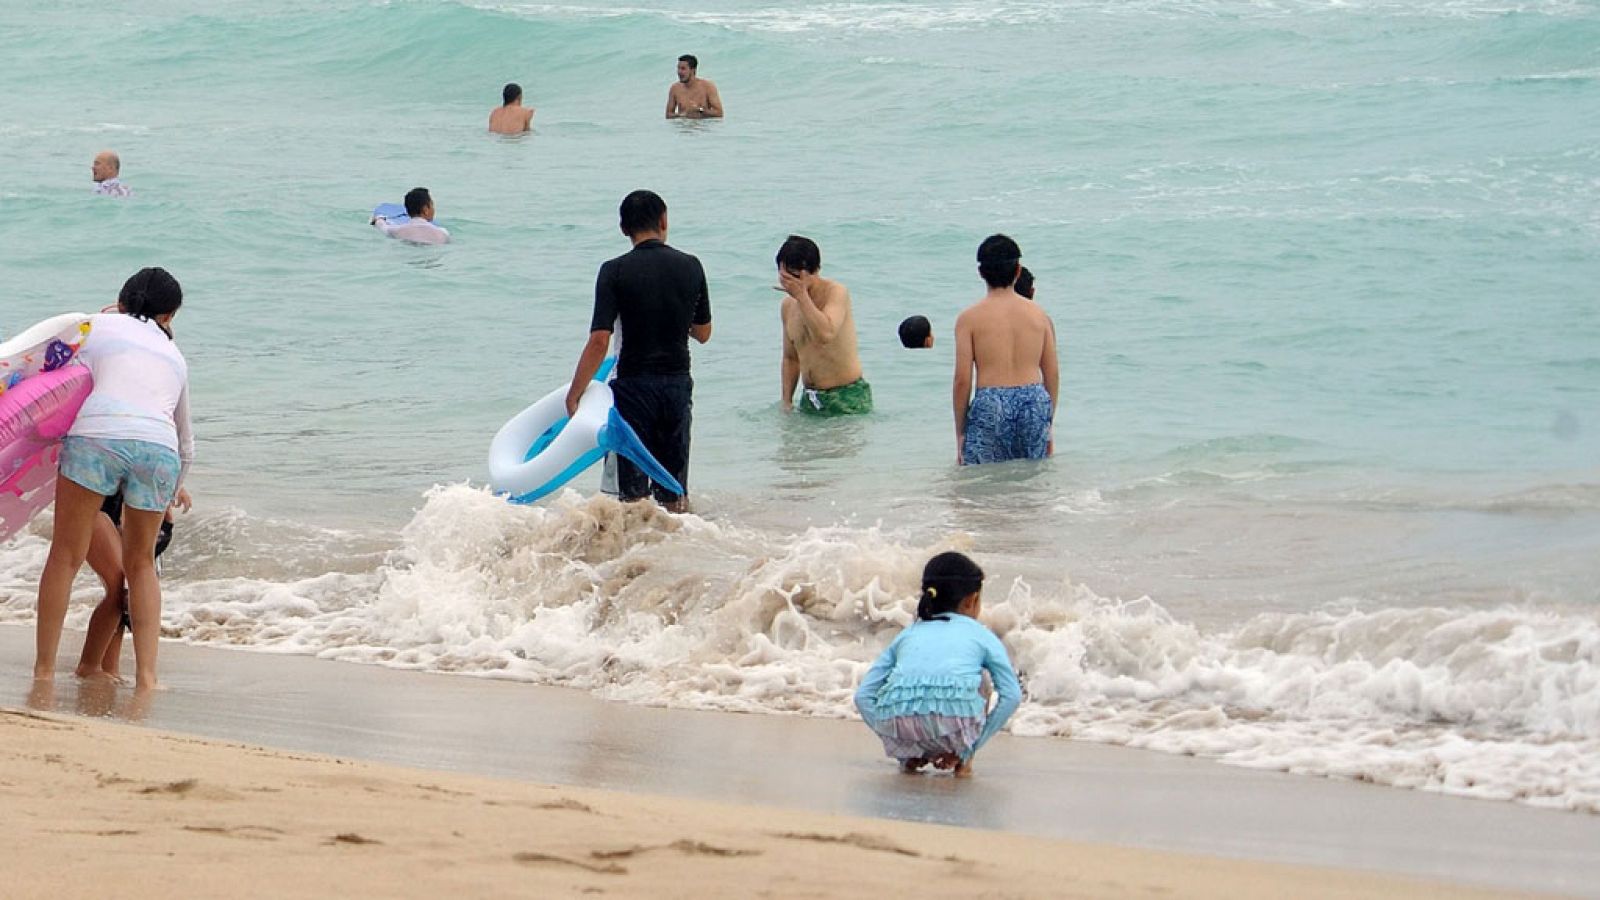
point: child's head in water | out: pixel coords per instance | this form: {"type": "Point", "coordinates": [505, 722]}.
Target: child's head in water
{"type": "Point", "coordinates": [916, 333]}
{"type": "Point", "coordinates": [1024, 285]}
{"type": "Point", "coordinates": [951, 583]}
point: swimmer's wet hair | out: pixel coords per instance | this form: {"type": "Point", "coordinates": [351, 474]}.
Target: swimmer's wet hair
{"type": "Point", "coordinates": [512, 91]}
{"type": "Point", "coordinates": [800, 254]}
{"type": "Point", "coordinates": [1024, 285]}
{"type": "Point", "coordinates": [998, 256]}
{"type": "Point", "coordinates": [641, 211]}
{"type": "Point", "coordinates": [947, 579]}
{"type": "Point", "coordinates": [694, 64]}
{"type": "Point", "coordinates": [149, 293]}
{"type": "Point", "coordinates": [914, 332]}
{"type": "Point", "coordinates": [417, 200]}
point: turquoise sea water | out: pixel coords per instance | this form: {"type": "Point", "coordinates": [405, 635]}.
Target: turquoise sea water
{"type": "Point", "coordinates": [1323, 273]}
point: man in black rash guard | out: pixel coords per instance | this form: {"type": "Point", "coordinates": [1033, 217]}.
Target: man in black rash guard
{"type": "Point", "coordinates": [658, 296]}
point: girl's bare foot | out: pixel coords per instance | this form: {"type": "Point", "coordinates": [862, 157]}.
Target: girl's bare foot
{"type": "Point", "coordinates": [963, 770]}
{"type": "Point", "coordinates": [42, 695]}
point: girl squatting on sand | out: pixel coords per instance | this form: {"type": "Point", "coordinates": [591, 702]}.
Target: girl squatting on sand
{"type": "Point", "coordinates": [924, 696]}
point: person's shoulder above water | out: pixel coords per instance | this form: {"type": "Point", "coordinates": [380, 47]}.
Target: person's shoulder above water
{"type": "Point", "coordinates": [511, 117]}
{"type": "Point", "coordinates": [418, 231]}
{"type": "Point", "coordinates": [418, 226]}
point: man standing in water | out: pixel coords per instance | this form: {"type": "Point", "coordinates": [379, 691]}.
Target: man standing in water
{"type": "Point", "coordinates": [692, 97]}
{"type": "Point", "coordinates": [106, 168]}
{"type": "Point", "coordinates": [658, 296]}
{"type": "Point", "coordinates": [1012, 345]}
{"type": "Point", "coordinates": [511, 117]}
{"type": "Point", "coordinates": [819, 336]}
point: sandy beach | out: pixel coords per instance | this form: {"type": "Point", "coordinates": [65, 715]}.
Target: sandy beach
{"type": "Point", "coordinates": [588, 796]}
{"type": "Point", "coordinates": [150, 814]}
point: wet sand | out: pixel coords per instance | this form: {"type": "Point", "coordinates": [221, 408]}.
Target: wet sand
{"type": "Point", "coordinates": [1087, 794]}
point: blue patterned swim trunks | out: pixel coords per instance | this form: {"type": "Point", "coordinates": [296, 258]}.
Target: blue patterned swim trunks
{"type": "Point", "coordinates": [145, 473]}
{"type": "Point", "coordinates": [1007, 423]}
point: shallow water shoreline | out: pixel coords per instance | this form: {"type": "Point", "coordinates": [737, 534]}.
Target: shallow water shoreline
{"type": "Point", "coordinates": [1048, 788]}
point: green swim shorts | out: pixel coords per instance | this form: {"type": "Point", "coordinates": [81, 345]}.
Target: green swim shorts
{"type": "Point", "coordinates": [851, 399]}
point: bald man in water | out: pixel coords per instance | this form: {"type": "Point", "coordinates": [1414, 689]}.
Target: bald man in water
{"type": "Point", "coordinates": [106, 168]}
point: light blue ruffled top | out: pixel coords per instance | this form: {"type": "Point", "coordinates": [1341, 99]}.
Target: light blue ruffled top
{"type": "Point", "coordinates": [935, 666]}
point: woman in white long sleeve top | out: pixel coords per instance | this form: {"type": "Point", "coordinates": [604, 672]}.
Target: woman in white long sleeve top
{"type": "Point", "coordinates": [132, 436]}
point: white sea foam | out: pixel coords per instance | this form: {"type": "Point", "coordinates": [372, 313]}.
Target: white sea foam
{"type": "Point", "coordinates": [638, 606]}
{"type": "Point", "coordinates": [921, 17]}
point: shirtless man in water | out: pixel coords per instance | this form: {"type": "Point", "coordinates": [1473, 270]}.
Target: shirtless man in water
{"type": "Point", "coordinates": [692, 97]}
{"type": "Point", "coordinates": [819, 336]}
{"type": "Point", "coordinates": [1011, 344]}
{"type": "Point", "coordinates": [511, 117]}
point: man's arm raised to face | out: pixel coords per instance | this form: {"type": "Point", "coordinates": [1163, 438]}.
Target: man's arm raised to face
{"type": "Point", "coordinates": [823, 325]}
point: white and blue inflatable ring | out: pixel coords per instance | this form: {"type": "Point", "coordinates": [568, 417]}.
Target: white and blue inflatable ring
{"type": "Point", "coordinates": [540, 449]}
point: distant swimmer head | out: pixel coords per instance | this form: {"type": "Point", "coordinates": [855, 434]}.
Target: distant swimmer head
{"type": "Point", "coordinates": [687, 66]}
{"type": "Point", "coordinates": [511, 93]}
{"type": "Point", "coordinates": [419, 204]}
{"type": "Point", "coordinates": [999, 258]}
{"type": "Point", "coordinates": [1024, 285]}
{"type": "Point", "coordinates": [151, 294]}
{"type": "Point", "coordinates": [916, 333]}
{"type": "Point", "coordinates": [951, 583]}
{"type": "Point", "coordinates": [799, 254]}
{"type": "Point", "coordinates": [106, 165]}
{"type": "Point", "coordinates": [643, 213]}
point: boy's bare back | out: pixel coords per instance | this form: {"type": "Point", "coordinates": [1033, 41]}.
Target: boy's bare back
{"type": "Point", "coordinates": [1012, 341]}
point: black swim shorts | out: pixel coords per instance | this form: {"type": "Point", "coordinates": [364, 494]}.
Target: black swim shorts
{"type": "Point", "coordinates": [658, 408]}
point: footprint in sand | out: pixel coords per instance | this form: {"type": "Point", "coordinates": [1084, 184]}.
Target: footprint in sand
{"type": "Point", "coordinates": [686, 847]}
{"type": "Point", "coordinates": [547, 859]}
{"type": "Point", "coordinates": [188, 787]}
{"type": "Point", "coordinates": [853, 839]}
{"type": "Point", "coordinates": [25, 719]}
{"type": "Point", "coordinates": [242, 832]}
{"type": "Point", "coordinates": [567, 804]}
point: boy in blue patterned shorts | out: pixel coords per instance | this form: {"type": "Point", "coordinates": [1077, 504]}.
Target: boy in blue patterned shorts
{"type": "Point", "coordinates": [1007, 345]}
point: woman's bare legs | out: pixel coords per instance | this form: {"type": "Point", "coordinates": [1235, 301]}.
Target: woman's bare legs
{"type": "Point", "coordinates": [76, 509]}
{"type": "Point", "coordinates": [105, 625]}
{"type": "Point", "coordinates": [111, 663]}
{"type": "Point", "coordinates": [139, 530]}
